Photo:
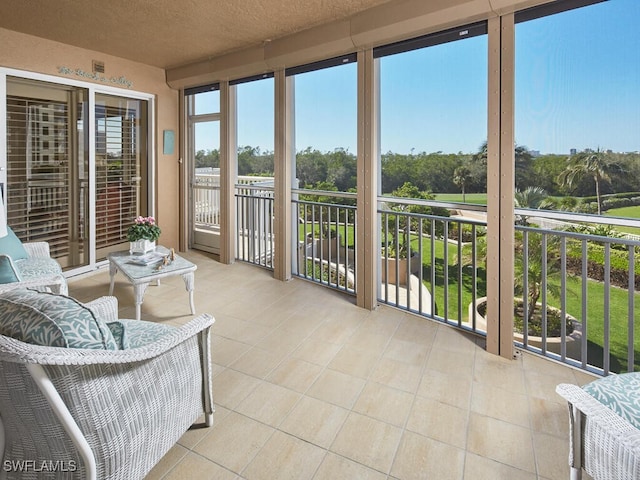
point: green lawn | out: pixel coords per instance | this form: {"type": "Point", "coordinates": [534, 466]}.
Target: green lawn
{"type": "Point", "coordinates": [625, 212]}
{"type": "Point", "coordinates": [618, 331]}
{"type": "Point", "coordinates": [478, 198]}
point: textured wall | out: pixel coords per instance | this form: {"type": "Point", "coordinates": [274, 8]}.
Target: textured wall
{"type": "Point", "coordinates": [26, 52]}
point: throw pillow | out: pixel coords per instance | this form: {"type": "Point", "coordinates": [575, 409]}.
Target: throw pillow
{"type": "Point", "coordinates": [137, 333]}
{"type": "Point", "coordinates": [7, 273]}
{"type": "Point", "coordinates": [50, 319]}
{"type": "Point", "coordinates": [12, 246]}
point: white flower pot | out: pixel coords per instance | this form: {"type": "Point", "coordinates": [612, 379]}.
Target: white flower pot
{"type": "Point", "coordinates": [141, 246]}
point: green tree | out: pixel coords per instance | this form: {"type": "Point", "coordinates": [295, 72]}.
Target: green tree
{"type": "Point", "coordinates": [589, 163]}
{"type": "Point", "coordinates": [397, 245]}
{"type": "Point", "coordinates": [523, 165]}
{"type": "Point", "coordinates": [462, 177]}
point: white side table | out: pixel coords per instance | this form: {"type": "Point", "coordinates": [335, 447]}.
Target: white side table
{"type": "Point", "coordinates": [140, 276]}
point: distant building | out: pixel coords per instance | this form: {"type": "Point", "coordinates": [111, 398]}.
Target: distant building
{"type": "Point", "coordinates": [573, 151]}
{"type": "Point", "coordinates": [534, 153]}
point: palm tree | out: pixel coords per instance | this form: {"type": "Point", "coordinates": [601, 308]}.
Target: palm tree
{"type": "Point", "coordinates": [533, 198]}
{"type": "Point", "coordinates": [462, 177]}
{"type": "Point", "coordinates": [531, 267]}
{"type": "Point", "coordinates": [588, 163]}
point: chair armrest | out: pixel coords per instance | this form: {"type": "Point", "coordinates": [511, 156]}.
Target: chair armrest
{"type": "Point", "coordinates": [37, 249]}
{"type": "Point", "coordinates": [106, 308]}
{"type": "Point", "coordinates": [610, 443]}
{"type": "Point", "coordinates": [15, 351]}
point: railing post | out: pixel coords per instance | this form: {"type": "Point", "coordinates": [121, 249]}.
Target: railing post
{"type": "Point", "coordinates": [284, 166]}
{"type": "Point", "coordinates": [500, 187]}
{"type": "Point", "coordinates": [228, 170]}
{"type": "Point", "coordinates": [367, 237]}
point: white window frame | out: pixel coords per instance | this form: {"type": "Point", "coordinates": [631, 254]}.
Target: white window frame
{"type": "Point", "coordinates": [93, 89]}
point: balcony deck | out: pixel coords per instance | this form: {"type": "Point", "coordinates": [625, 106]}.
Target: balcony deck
{"type": "Point", "coordinates": [308, 386]}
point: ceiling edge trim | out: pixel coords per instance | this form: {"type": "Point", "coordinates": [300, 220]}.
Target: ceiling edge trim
{"type": "Point", "coordinates": [386, 23]}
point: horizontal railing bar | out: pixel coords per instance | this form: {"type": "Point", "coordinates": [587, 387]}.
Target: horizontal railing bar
{"type": "Point", "coordinates": [325, 193]}
{"type": "Point", "coordinates": [416, 216]}
{"type": "Point", "coordinates": [577, 217]}
{"type": "Point", "coordinates": [473, 207]}
{"type": "Point", "coordinates": [578, 236]}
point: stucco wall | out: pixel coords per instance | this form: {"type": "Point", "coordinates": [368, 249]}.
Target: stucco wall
{"type": "Point", "coordinates": [26, 52]}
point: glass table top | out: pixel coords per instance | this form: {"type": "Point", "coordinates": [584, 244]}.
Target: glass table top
{"type": "Point", "coordinates": [126, 263]}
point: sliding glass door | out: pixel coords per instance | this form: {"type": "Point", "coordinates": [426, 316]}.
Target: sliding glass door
{"type": "Point", "coordinates": [74, 179]}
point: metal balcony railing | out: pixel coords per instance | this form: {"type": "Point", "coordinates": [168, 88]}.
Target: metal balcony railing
{"type": "Point", "coordinates": [585, 272]}
{"type": "Point", "coordinates": [254, 224]}
{"type": "Point", "coordinates": [575, 294]}
{"type": "Point", "coordinates": [430, 264]}
{"type": "Point", "coordinates": [326, 239]}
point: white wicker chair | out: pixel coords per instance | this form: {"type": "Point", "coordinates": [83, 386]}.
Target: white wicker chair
{"type": "Point", "coordinates": [107, 414]}
{"type": "Point", "coordinates": [38, 270]}
{"type": "Point", "coordinates": [601, 442]}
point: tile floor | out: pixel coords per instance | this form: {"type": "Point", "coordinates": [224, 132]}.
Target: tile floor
{"type": "Point", "coordinates": [308, 386]}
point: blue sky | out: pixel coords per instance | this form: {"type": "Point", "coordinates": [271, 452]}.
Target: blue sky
{"type": "Point", "coordinates": [577, 86]}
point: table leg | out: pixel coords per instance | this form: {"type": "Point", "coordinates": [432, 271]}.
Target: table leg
{"type": "Point", "coordinates": [138, 291]}
{"type": "Point", "coordinates": [189, 281]}
{"type": "Point", "coordinates": [113, 269]}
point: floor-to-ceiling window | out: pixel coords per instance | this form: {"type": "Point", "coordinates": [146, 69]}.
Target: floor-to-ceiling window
{"type": "Point", "coordinates": [325, 128]}
{"type": "Point", "coordinates": [255, 169]}
{"type": "Point", "coordinates": [433, 172]}
{"type": "Point", "coordinates": [50, 166]}
{"type": "Point", "coordinates": [577, 178]}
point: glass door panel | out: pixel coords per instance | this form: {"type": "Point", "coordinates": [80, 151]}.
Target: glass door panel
{"type": "Point", "coordinates": [205, 191]}
{"type": "Point", "coordinates": [121, 169]}
{"type": "Point", "coordinates": [47, 167]}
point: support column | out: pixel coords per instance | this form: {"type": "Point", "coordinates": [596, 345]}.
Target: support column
{"type": "Point", "coordinates": [284, 156]}
{"type": "Point", "coordinates": [367, 238]}
{"type": "Point", "coordinates": [228, 172]}
{"type": "Point", "coordinates": [183, 177]}
{"type": "Point", "coordinates": [500, 187]}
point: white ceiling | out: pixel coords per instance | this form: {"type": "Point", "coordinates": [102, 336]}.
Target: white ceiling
{"type": "Point", "coordinates": [169, 33]}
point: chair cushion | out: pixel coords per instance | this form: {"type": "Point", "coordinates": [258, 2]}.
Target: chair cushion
{"type": "Point", "coordinates": [43, 318]}
{"type": "Point", "coordinates": [7, 273]}
{"type": "Point", "coordinates": [36, 267]}
{"type": "Point", "coordinates": [12, 246]}
{"type": "Point", "coordinates": [137, 333]}
{"type": "Point", "coordinates": [621, 393]}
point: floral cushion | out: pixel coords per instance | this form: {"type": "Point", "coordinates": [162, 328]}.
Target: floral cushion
{"type": "Point", "coordinates": [621, 393]}
{"type": "Point", "coordinates": [35, 267]}
{"type": "Point", "coordinates": [43, 318]}
{"type": "Point", "coordinates": [137, 333]}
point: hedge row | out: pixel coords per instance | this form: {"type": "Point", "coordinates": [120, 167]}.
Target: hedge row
{"type": "Point", "coordinates": [618, 260]}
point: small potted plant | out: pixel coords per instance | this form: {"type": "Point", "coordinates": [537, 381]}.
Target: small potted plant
{"type": "Point", "coordinates": [142, 235]}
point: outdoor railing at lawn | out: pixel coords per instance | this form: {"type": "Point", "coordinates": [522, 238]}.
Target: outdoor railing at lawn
{"type": "Point", "coordinates": [429, 263]}
{"type": "Point", "coordinates": [588, 279]}
{"type": "Point", "coordinates": [575, 284]}
{"type": "Point", "coordinates": [326, 238]}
